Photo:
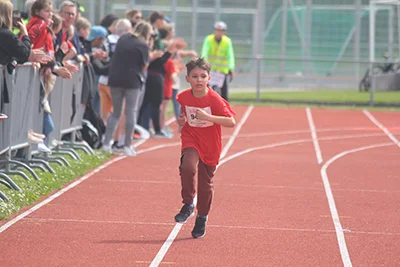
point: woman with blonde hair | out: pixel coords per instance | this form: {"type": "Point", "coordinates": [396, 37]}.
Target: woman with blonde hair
{"type": "Point", "coordinates": [12, 49]}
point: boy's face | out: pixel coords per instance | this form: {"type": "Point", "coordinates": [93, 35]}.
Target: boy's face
{"type": "Point", "coordinates": [198, 79]}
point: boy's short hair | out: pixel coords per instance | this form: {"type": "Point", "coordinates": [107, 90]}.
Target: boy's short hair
{"type": "Point", "coordinates": [198, 63]}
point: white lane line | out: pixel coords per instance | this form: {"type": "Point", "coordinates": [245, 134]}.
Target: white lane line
{"type": "Point", "coordinates": [383, 128]}
{"type": "Point", "coordinates": [69, 187]}
{"type": "Point", "coordinates": [167, 244]}
{"type": "Point", "coordinates": [236, 132]}
{"type": "Point", "coordinates": [59, 193]}
{"type": "Point", "coordinates": [331, 201]}
{"type": "Point", "coordinates": [314, 136]}
{"type": "Point", "coordinates": [235, 227]}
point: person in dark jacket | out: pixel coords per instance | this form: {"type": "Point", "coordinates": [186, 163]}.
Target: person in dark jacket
{"type": "Point", "coordinates": [126, 78]}
{"type": "Point", "coordinates": [13, 51]}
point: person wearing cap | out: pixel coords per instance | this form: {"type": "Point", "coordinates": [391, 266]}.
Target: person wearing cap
{"type": "Point", "coordinates": [94, 46]}
{"type": "Point", "coordinates": [218, 50]}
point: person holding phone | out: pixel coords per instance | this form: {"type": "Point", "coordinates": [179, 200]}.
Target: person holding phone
{"type": "Point", "coordinates": [13, 51]}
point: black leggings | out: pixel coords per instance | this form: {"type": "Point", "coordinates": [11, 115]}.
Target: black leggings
{"type": "Point", "coordinates": [153, 96]}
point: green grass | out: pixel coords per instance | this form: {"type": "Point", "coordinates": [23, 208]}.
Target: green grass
{"type": "Point", "coordinates": [33, 190]}
{"type": "Point", "coordinates": [324, 96]}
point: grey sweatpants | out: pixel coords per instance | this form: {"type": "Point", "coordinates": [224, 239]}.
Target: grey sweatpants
{"type": "Point", "coordinates": [131, 97]}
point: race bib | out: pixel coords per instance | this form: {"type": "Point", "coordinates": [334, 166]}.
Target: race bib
{"type": "Point", "coordinates": [193, 121]}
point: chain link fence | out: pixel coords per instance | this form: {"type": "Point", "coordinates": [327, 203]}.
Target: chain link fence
{"type": "Point", "coordinates": [304, 44]}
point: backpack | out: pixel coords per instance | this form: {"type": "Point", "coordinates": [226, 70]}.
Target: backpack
{"type": "Point", "coordinates": [93, 128]}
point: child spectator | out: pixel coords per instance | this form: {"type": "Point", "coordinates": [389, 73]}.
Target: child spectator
{"type": "Point", "coordinates": [41, 37]}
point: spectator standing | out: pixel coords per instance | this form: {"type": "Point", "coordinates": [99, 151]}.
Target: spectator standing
{"type": "Point", "coordinates": [217, 49]}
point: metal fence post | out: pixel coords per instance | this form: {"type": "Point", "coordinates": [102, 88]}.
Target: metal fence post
{"type": "Point", "coordinates": [283, 37]}
{"type": "Point", "coordinates": [173, 13]}
{"type": "Point", "coordinates": [357, 37]}
{"type": "Point", "coordinates": [258, 78]}
{"type": "Point", "coordinates": [373, 84]}
{"type": "Point", "coordinates": [194, 24]}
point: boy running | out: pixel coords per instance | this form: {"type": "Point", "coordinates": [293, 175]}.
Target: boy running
{"type": "Point", "coordinates": [203, 112]}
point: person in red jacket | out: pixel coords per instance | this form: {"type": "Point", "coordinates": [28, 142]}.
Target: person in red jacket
{"type": "Point", "coordinates": [203, 112]}
{"type": "Point", "coordinates": [41, 36]}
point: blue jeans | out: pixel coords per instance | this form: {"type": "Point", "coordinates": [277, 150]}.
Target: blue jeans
{"type": "Point", "coordinates": [96, 101]}
{"type": "Point", "coordinates": [177, 106]}
{"type": "Point", "coordinates": [48, 126]}
{"type": "Point", "coordinates": [145, 117]}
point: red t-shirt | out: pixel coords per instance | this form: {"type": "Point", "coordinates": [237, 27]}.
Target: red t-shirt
{"type": "Point", "coordinates": [203, 135]}
{"type": "Point", "coordinates": [169, 67]}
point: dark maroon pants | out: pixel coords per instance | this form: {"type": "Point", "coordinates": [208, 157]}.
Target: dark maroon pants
{"type": "Point", "coordinates": [191, 165]}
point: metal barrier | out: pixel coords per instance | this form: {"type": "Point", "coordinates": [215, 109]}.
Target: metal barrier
{"type": "Point", "coordinates": [68, 115]}
{"type": "Point", "coordinates": [19, 117]}
{"type": "Point", "coordinates": [25, 112]}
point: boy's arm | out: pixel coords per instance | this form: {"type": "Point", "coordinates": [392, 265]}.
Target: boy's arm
{"type": "Point", "coordinates": [221, 120]}
{"type": "Point", "coordinates": [181, 118]}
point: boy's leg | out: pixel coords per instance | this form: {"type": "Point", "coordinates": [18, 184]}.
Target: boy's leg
{"type": "Point", "coordinates": [205, 187]}
{"type": "Point", "coordinates": [205, 194]}
{"type": "Point", "coordinates": [187, 171]}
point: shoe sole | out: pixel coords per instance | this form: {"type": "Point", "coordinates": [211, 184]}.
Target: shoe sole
{"type": "Point", "coordinates": [197, 237]}
{"type": "Point", "coordinates": [191, 215]}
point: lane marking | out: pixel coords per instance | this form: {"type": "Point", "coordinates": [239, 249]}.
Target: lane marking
{"type": "Point", "coordinates": [167, 244]}
{"type": "Point", "coordinates": [236, 132]}
{"type": "Point", "coordinates": [331, 201]}
{"type": "Point", "coordinates": [263, 186]}
{"type": "Point", "coordinates": [314, 136]}
{"type": "Point", "coordinates": [235, 227]}
{"type": "Point", "coordinates": [67, 188]}
{"type": "Point", "coordinates": [382, 127]}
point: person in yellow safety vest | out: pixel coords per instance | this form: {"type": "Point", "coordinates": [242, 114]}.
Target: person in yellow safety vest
{"type": "Point", "coordinates": [218, 50]}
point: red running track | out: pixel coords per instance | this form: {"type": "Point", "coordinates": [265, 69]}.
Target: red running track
{"type": "Point", "coordinates": [270, 208]}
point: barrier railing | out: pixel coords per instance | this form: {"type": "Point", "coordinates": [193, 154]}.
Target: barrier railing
{"type": "Point", "coordinates": [25, 113]}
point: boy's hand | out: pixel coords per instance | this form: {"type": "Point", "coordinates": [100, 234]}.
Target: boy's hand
{"type": "Point", "coordinates": [202, 115]}
{"type": "Point", "coordinates": [181, 119]}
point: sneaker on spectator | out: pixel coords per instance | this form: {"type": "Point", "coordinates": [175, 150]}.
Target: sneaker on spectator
{"type": "Point", "coordinates": [185, 213]}
{"type": "Point", "coordinates": [3, 116]}
{"type": "Point", "coordinates": [107, 148]}
{"type": "Point", "coordinates": [116, 147]}
{"type": "Point", "coordinates": [43, 148]}
{"type": "Point", "coordinates": [144, 134]}
{"type": "Point", "coordinates": [161, 134]}
{"type": "Point", "coordinates": [168, 131]}
{"type": "Point", "coordinates": [199, 229]}
{"type": "Point", "coordinates": [129, 151]}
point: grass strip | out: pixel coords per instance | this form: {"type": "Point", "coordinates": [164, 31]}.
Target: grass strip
{"type": "Point", "coordinates": [34, 190]}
